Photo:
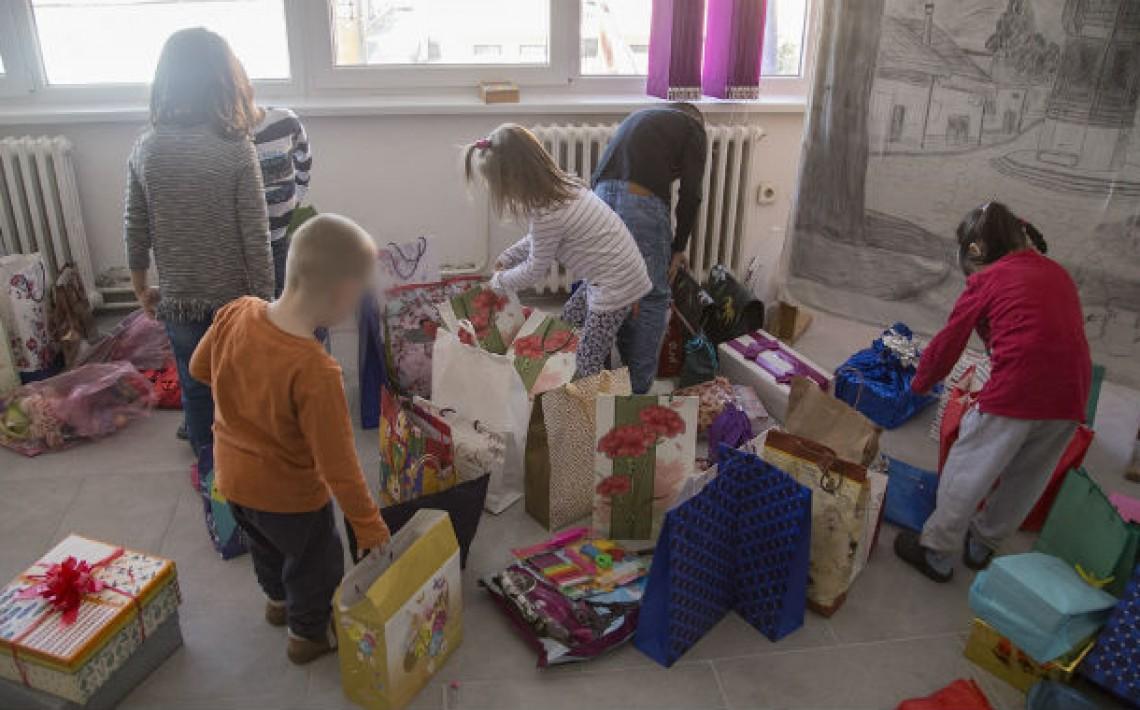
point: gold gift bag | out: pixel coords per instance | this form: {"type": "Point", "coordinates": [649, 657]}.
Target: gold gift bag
{"type": "Point", "coordinates": [839, 500]}
{"type": "Point", "coordinates": [399, 614]}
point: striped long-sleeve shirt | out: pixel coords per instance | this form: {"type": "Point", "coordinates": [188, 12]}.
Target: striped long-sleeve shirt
{"type": "Point", "coordinates": [283, 149]}
{"type": "Point", "coordinates": [196, 200]}
{"type": "Point", "coordinates": [591, 241]}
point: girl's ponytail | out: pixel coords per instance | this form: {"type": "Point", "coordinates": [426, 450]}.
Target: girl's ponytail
{"type": "Point", "coordinates": [1036, 238]}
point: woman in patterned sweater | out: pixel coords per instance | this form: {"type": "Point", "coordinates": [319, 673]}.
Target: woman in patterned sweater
{"type": "Point", "coordinates": [195, 200]}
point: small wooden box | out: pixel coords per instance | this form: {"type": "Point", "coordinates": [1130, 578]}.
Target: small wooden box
{"type": "Point", "coordinates": [499, 92]}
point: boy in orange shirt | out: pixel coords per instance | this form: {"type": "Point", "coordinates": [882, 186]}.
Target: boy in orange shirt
{"type": "Point", "coordinates": [282, 434]}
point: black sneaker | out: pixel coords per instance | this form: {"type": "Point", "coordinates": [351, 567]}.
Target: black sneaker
{"type": "Point", "coordinates": [970, 556]}
{"type": "Point", "coordinates": [910, 550]}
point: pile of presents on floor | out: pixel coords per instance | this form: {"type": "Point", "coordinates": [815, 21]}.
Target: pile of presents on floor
{"type": "Point", "coordinates": [61, 383]}
{"type": "Point", "coordinates": [757, 488]}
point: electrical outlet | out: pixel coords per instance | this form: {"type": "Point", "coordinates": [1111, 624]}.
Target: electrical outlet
{"type": "Point", "coordinates": [766, 193]}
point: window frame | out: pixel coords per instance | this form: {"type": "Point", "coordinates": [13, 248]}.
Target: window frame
{"type": "Point", "coordinates": [314, 76]}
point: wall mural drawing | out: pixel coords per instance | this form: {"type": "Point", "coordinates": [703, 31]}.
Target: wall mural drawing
{"type": "Point", "coordinates": [922, 110]}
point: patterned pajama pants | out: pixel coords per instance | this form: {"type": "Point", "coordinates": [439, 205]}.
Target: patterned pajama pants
{"type": "Point", "coordinates": [599, 331]}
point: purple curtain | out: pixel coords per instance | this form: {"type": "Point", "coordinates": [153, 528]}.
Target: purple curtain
{"type": "Point", "coordinates": [675, 49]}
{"type": "Point", "coordinates": [734, 44]}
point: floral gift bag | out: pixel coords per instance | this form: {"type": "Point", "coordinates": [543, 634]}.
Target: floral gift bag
{"type": "Point", "coordinates": [23, 313]}
{"type": "Point", "coordinates": [414, 262]}
{"type": "Point", "coordinates": [645, 446]}
{"type": "Point", "coordinates": [411, 319]}
{"type": "Point", "coordinates": [495, 317]}
{"type": "Point", "coordinates": [545, 351]}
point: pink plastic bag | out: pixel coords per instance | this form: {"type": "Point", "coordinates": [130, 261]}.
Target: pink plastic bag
{"type": "Point", "coordinates": [137, 339]}
{"type": "Point", "coordinates": [85, 403]}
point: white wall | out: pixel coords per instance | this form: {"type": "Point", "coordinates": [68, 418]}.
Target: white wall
{"type": "Point", "coordinates": [400, 176]}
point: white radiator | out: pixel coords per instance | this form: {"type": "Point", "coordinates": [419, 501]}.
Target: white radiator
{"type": "Point", "coordinates": [718, 235]}
{"type": "Point", "coordinates": [39, 207]}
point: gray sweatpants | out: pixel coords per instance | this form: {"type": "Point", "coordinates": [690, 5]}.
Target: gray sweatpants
{"type": "Point", "coordinates": [1020, 453]}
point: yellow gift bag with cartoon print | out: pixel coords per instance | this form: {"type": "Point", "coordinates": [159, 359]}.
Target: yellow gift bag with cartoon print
{"type": "Point", "coordinates": [399, 614]}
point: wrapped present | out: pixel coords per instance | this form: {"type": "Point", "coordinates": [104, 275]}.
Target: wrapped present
{"type": "Point", "coordinates": [494, 317]}
{"type": "Point", "coordinates": [417, 456]}
{"type": "Point", "coordinates": [760, 360]}
{"type": "Point", "coordinates": [876, 380]}
{"type": "Point", "coordinates": [545, 351]}
{"type": "Point", "coordinates": [644, 448]}
{"type": "Point", "coordinates": [399, 614]}
{"type": "Point", "coordinates": [738, 539]}
{"type": "Point", "coordinates": [1040, 603]}
{"type": "Point", "coordinates": [712, 395]}
{"type": "Point", "coordinates": [998, 655]}
{"type": "Point", "coordinates": [560, 448]}
{"type": "Point", "coordinates": [84, 611]}
{"type": "Point", "coordinates": [840, 493]}
{"type": "Point", "coordinates": [410, 320]}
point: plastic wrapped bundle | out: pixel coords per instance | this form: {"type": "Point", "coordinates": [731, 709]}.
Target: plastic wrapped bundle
{"type": "Point", "coordinates": [137, 339]}
{"type": "Point", "coordinates": [876, 381]}
{"type": "Point", "coordinates": [85, 403]}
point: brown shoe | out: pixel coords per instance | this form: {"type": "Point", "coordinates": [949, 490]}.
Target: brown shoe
{"type": "Point", "coordinates": [275, 613]}
{"type": "Point", "coordinates": [302, 650]}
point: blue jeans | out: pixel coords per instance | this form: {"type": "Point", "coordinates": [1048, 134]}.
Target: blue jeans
{"type": "Point", "coordinates": [197, 401]}
{"type": "Point", "coordinates": [647, 218]}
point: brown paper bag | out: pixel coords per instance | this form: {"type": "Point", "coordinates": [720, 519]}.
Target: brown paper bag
{"type": "Point", "coordinates": [817, 415]}
{"type": "Point", "coordinates": [559, 480]}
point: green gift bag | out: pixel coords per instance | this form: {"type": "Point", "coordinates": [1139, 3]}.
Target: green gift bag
{"type": "Point", "coordinates": [1086, 530]}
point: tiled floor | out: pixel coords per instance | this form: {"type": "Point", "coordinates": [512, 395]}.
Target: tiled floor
{"type": "Point", "coordinates": [898, 635]}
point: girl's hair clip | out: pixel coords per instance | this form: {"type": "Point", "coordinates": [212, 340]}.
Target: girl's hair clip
{"type": "Point", "coordinates": [483, 143]}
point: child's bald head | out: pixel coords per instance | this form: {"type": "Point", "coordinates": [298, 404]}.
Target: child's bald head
{"type": "Point", "coordinates": [327, 250]}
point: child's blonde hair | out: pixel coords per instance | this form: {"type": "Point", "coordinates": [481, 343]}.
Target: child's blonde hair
{"type": "Point", "coordinates": [326, 250]}
{"type": "Point", "coordinates": [520, 175]}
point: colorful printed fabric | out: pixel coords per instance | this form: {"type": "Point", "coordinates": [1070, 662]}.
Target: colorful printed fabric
{"type": "Point", "coordinates": [646, 446]}
{"type": "Point", "coordinates": [416, 452]}
{"type": "Point", "coordinates": [411, 319]}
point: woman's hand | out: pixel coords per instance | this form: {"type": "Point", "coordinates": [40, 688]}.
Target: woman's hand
{"type": "Point", "coordinates": [679, 262]}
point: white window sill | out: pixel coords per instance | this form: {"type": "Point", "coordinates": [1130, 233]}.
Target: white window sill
{"type": "Point", "coordinates": [33, 111]}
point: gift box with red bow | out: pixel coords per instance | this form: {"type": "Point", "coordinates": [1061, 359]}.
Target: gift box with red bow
{"type": "Point", "coordinates": [79, 618]}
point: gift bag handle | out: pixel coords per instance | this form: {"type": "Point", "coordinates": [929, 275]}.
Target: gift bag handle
{"type": "Point", "coordinates": [546, 326]}
{"type": "Point", "coordinates": [829, 482]}
{"type": "Point", "coordinates": [394, 249]}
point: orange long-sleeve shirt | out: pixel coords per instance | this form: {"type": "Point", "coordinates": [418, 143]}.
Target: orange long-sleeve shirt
{"type": "Point", "coordinates": [282, 434]}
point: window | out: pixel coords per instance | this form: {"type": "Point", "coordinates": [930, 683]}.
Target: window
{"type": "Point", "coordinates": [454, 32]}
{"type": "Point", "coordinates": [118, 41]}
{"type": "Point", "coordinates": [614, 37]}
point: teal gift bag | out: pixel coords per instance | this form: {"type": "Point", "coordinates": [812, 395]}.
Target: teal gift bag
{"type": "Point", "coordinates": [1039, 603]}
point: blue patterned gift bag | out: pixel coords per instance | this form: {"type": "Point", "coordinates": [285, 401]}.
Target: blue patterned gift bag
{"type": "Point", "coordinates": [1114, 662]}
{"type": "Point", "coordinates": [876, 381]}
{"type": "Point", "coordinates": [911, 495]}
{"type": "Point", "coordinates": [228, 538]}
{"type": "Point", "coordinates": [740, 544]}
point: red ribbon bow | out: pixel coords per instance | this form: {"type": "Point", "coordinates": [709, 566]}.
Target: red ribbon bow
{"type": "Point", "coordinates": [64, 585]}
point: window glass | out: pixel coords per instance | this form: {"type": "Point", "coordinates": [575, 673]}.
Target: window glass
{"type": "Point", "coordinates": [398, 32]}
{"type": "Point", "coordinates": [118, 41]}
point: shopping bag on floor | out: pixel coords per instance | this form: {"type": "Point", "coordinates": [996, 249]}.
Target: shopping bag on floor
{"type": "Point", "coordinates": [415, 262]}
{"type": "Point", "coordinates": [225, 534]}
{"type": "Point", "coordinates": [411, 319]}
{"type": "Point", "coordinates": [399, 614]}
{"type": "Point", "coordinates": [980, 362]}
{"type": "Point", "coordinates": [870, 517]}
{"type": "Point", "coordinates": [741, 542]}
{"type": "Point", "coordinates": [478, 450]}
{"type": "Point", "coordinates": [23, 313]}
{"type": "Point", "coordinates": [560, 448]}
{"type": "Point", "coordinates": [545, 352]}
{"type": "Point", "coordinates": [671, 357]}
{"type": "Point", "coordinates": [496, 317]}
{"type": "Point", "coordinates": [416, 452]}
{"type": "Point", "coordinates": [71, 320]}
{"type": "Point", "coordinates": [1114, 663]}
{"type": "Point", "coordinates": [816, 415]}
{"type": "Point", "coordinates": [9, 377]}
{"type": "Point", "coordinates": [959, 695]}
{"type": "Point", "coordinates": [911, 496]}
{"type": "Point", "coordinates": [1086, 530]}
{"type": "Point", "coordinates": [485, 387]}
{"type": "Point", "coordinates": [963, 396]}
{"type": "Point", "coordinates": [876, 380]}
{"type": "Point", "coordinates": [645, 447]}
{"type": "Point", "coordinates": [839, 492]}
{"type": "Point", "coordinates": [735, 310]}
{"type": "Point", "coordinates": [1039, 603]}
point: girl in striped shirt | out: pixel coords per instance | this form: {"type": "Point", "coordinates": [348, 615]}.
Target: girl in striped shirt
{"type": "Point", "coordinates": [283, 151]}
{"type": "Point", "coordinates": [568, 224]}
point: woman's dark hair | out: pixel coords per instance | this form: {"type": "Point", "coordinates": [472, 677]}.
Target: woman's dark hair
{"type": "Point", "coordinates": [199, 80]}
{"type": "Point", "coordinates": [992, 231]}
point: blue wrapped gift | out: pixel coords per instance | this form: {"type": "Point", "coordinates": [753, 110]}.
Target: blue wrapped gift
{"type": "Point", "coordinates": [876, 380]}
{"type": "Point", "coordinates": [1039, 603]}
